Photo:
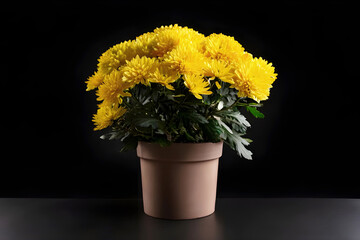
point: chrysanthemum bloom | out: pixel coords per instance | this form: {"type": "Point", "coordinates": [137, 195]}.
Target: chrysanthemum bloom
{"type": "Point", "coordinates": [164, 76]}
{"type": "Point", "coordinates": [116, 56]}
{"type": "Point", "coordinates": [94, 81]}
{"type": "Point", "coordinates": [144, 44]}
{"type": "Point", "coordinates": [219, 69]}
{"type": "Point", "coordinates": [253, 77]}
{"type": "Point", "coordinates": [112, 60]}
{"type": "Point", "coordinates": [106, 115]}
{"type": "Point", "coordinates": [169, 37]}
{"type": "Point", "coordinates": [185, 59]}
{"type": "Point", "coordinates": [222, 47]}
{"type": "Point", "coordinates": [166, 40]}
{"type": "Point", "coordinates": [113, 88]}
{"type": "Point", "coordinates": [197, 85]}
{"type": "Point", "coordinates": [138, 70]}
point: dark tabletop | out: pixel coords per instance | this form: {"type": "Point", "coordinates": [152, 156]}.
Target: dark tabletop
{"type": "Point", "coordinates": [237, 218]}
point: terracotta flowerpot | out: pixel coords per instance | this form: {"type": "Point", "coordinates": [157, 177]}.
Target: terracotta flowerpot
{"type": "Point", "coordinates": [179, 181]}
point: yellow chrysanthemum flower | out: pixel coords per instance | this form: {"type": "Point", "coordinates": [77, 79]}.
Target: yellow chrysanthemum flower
{"type": "Point", "coordinates": [144, 44]}
{"type": "Point", "coordinates": [106, 115]}
{"type": "Point", "coordinates": [222, 47]}
{"type": "Point", "coordinates": [253, 77]}
{"type": "Point", "coordinates": [169, 37]}
{"type": "Point", "coordinates": [219, 69]}
{"type": "Point", "coordinates": [112, 60]}
{"type": "Point", "coordinates": [166, 40]}
{"type": "Point", "coordinates": [113, 88]}
{"type": "Point", "coordinates": [138, 70]}
{"type": "Point", "coordinates": [197, 85]}
{"type": "Point", "coordinates": [185, 59]}
{"type": "Point", "coordinates": [94, 81]}
{"type": "Point", "coordinates": [116, 56]}
{"type": "Point", "coordinates": [164, 76]}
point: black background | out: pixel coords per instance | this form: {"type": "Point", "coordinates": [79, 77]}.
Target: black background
{"type": "Point", "coordinates": [306, 145]}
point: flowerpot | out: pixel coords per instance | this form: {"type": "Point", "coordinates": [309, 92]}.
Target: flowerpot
{"type": "Point", "coordinates": [179, 181]}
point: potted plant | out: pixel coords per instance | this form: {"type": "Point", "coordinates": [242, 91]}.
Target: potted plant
{"type": "Point", "coordinates": [177, 95]}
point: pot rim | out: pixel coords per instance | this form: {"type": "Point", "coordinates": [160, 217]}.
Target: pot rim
{"type": "Point", "coordinates": [180, 152]}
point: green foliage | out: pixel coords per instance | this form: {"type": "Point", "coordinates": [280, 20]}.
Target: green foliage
{"type": "Point", "coordinates": [255, 112]}
{"type": "Point", "coordinates": [157, 114]}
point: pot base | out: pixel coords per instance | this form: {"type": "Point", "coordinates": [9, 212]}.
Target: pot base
{"type": "Point", "coordinates": [179, 219]}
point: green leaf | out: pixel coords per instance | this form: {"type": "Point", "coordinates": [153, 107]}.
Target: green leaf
{"type": "Point", "coordinates": [149, 122]}
{"type": "Point", "coordinates": [129, 143]}
{"type": "Point", "coordinates": [222, 124]}
{"type": "Point", "coordinates": [178, 95]}
{"type": "Point", "coordinates": [240, 118]}
{"type": "Point", "coordinates": [234, 120]}
{"type": "Point", "coordinates": [248, 140]}
{"type": "Point", "coordinates": [194, 117]}
{"type": "Point", "coordinates": [223, 91]}
{"type": "Point", "coordinates": [212, 131]}
{"type": "Point", "coordinates": [155, 96]}
{"type": "Point", "coordinates": [206, 100]}
{"type": "Point", "coordinates": [163, 142]}
{"type": "Point", "coordinates": [187, 135]}
{"type": "Point", "coordinates": [114, 135]}
{"type": "Point", "coordinates": [236, 142]}
{"type": "Point", "coordinates": [255, 112]}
